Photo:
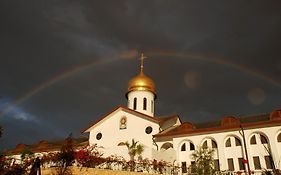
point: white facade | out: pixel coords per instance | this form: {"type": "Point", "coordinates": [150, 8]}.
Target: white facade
{"type": "Point", "coordinates": [173, 141]}
{"type": "Point", "coordinates": [234, 151]}
{"type": "Point", "coordinates": [113, 132]}
{"type": "Point", "coordinates": [263, 138]}
{"type": "Point", "coordinates": [231, 153]}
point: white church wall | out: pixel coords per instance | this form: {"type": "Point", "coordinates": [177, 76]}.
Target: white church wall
{"type": "Point", "coordinates": [112, 135]}
{"type": "Point", "coordinates": [168, 155]}
{"type": "Point", "coordinates": [165, 151]}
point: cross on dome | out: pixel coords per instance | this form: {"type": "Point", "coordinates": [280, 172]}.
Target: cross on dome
{"type": "Point", "coordinates": [141, 82]}
{"type": "Point", "coordinates": [142, 61]}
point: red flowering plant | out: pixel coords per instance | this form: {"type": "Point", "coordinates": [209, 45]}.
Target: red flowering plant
{"type": "Point", "coordinates": [109, 161]}
{"type": "Point", "coordinates": [120, 162]}
{"type": "Point", "coordinates": [16, 169]}
{"type": "Point", "coordinates": [154, 165]}
{"type": "Point", "coordinates": [46, 159]}
{"type": "Point", "coordinates": [89, 157]}
{"type": "Point", "coordinates": [95, 156]}
{"type": "Point", "coordinates": [83, 157]}
{"type": "Point", "coordinates": [50, 158]}
{"type": "Point", "coordinates": [132, 165]}
{"type": "Point", "coordinates": [114, 162]}
{"type": "Point", "coordinates": [161, 166]}
{"type": "Point", "coordinates": [145, 163]}
{"type": "Point", "coordinates": [10, 167]}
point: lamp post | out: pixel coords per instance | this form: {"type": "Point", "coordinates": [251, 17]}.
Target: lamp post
{"type": "Point", "coordinates": [245, 147]}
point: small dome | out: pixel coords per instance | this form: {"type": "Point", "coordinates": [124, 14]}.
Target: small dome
{"type": "Point", "coordinates": [141, 83]}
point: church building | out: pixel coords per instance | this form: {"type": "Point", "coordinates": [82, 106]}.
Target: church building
{"type": "Point", "coordinates": [244, 143]}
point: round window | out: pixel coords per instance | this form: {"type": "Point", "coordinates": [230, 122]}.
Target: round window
{"type": "Point", "coordinates": [98, 136]}
{"type": "Point", "coordinates": [148, 130]}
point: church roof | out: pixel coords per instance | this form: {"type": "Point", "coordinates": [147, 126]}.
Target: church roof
{"type": "Point", "coordinates": [228, 123]}
{"type": "Point", "coordinates": [164, 119]}
{"type": "Point", "coordinates": [159, 120]}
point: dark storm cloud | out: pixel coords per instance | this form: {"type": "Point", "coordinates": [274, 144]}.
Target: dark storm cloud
{"type": "Point", "coordinates": [41, 39]}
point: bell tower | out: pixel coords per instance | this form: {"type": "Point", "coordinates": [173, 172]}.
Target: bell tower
{"type": "Point", "coordinates": [141, 92]}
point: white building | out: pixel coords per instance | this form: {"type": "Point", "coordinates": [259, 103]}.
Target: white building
{"type": "Point", "coordinates": [169, 139]}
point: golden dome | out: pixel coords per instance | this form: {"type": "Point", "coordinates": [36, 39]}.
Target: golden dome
{"type": "Point", "coordinates": [141, 83]}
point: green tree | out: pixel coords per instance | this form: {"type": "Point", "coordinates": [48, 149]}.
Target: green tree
{"type": "Point", "coordinates": [133, 149]}
{"type": "Point", "coordinates": [204, 161]}
{"type": "Point", "coordinates": [65, 157]}
{"type": "Point", "coordinates": [26, 154]}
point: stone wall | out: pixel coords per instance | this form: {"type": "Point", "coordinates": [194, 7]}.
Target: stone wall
{"type": "Point", "coordinates": [92, 171]}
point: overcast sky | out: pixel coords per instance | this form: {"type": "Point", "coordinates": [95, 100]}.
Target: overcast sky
{"type": "Point", "coordinates": [65, 63]}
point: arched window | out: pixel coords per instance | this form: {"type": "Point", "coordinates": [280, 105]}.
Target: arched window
{"type": "Point", "coordinates": [144, 103]}
{"type": "Point", "coordinates": [152, 106]}
{"type": "Point", "coordinates": [232, 141]}
{"type": "Point", "coordinates": [183, 148]}
{"type": "Point", "coordinates": [228, 143]}
{"type": "Point", "coordinates": [205, 144]}
{"type": "Point", "coordinates": [135, 103]}
{"type": "Point", "coordinates": [210, 143]}
{"type": "Point", "coordinates": [214, 144]}
{"type": "Point", "coordinates": [279, 138]}
{"type": "Point", "coordinates": [191, 146]}
{"type": "Point", "coordinates": [253, 140]}
{"type": "Point", "coordinates": [237, 142]}
{"type": "Point", "coordinates": [263, 139]}
{"type": "Point", "coordinates": [166, 146]}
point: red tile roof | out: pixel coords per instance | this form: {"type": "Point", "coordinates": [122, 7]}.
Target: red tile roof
{"type": "Point", "coordinates": [46, 146]}
{"type": "Point", "coordinates": [226, 124]}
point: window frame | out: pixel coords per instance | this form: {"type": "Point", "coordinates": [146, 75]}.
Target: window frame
{"type": "Point", "coordinates": [183, 147]}
{"type": "Point", "coordinates": [191, 146]}
{"type": "Point", "coordinates": [230, 164]}
{"type": "Point", "coordinates": [257, 162]}
{"type": "Point", "coordinates": [228, 142]}
{"type": "Point", "coordinates": [279, 138]}
{"type": "Point", "coordinates": [144, 103]}
{"type": "Point", "coordinates": [253, 140]}
{"type": "Point", "coordinates": [268, 162]}
{"type": "Point", "coordinates": [241, 163]}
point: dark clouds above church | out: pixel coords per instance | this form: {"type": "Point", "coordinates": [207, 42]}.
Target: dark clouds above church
{"type": "Point", "coordinates": [208, 59]}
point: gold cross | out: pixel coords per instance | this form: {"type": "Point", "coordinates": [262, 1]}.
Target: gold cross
{"type": "Point", "coordinates": [142, 60]}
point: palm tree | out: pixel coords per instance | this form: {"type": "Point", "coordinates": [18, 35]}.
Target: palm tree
{"type": "Point", "coordinates": [133, 149]}
{"type": "Point", "coordinates": [204, 161]}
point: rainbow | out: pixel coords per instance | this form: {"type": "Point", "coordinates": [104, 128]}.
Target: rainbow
{"type": "Point", "coordinates": [130, 55]}
{"type": "Point", "coordinates": [221, 61]}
